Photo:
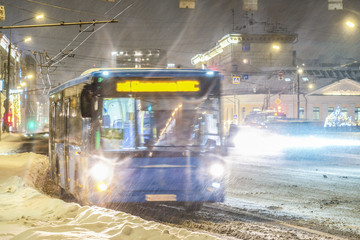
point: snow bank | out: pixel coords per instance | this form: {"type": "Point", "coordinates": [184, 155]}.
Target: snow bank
{"type": "Point", "coordinates": [26, 213]}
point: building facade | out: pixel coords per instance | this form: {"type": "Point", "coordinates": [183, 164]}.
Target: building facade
{"type": "Point", "coordinates": [241, 54]}
{"type": "Point", "coordinates": [260, 73]}
{"type": "Point", "coordinates": [21, 66]}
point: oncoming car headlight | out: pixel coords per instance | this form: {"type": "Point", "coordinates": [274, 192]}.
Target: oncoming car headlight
{"type": "Point", "coordinates": [217, 170]}
{"type": "Point", "coordinates": [100, 171]}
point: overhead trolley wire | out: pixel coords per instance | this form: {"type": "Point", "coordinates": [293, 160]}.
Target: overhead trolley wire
{"type": "Point", "coordinates": [73, 50]}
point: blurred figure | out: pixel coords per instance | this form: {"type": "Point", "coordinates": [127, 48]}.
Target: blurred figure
{"type": "Point", "coordinates": [233, 131]}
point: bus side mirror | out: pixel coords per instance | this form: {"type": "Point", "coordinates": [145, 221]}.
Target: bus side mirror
{"type": "Point", "coordinates": [85, 102]}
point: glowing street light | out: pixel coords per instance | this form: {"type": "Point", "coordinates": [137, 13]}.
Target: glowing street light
{"type": "Point", "coordinates": [276, 47]}
{"type": "Point", "coordinates": [40, 16]}
{"type": "Point", "coordinates": [350, 24]}
{"type": "Point", "coordinates": [27, 39]}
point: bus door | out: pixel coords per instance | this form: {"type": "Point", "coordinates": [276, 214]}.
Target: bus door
{"type": "Point", "coordinates": [52, 141]}
{"type": "Point", "coordinates": [66, 142]}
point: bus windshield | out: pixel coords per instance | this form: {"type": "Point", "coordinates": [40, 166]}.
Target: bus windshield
{"type": "Point", "coordinates": [139, 123]}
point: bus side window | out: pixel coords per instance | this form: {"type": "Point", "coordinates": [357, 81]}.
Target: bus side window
{"type": "Point", "coordinates": [85, 102]}
{"type": "Point", "coordinates": [106, 121]}
{"type": "Point", "coordinates": [75, 121]}
{"type": "Point", "coordinates": [59, 115]}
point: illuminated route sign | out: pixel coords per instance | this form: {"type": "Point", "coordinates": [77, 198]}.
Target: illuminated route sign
{"type": "Point", "coordinates": [158, 86]}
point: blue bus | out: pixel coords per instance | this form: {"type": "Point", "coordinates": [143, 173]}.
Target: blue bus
{"type": "Point", "coordinates": [138, 135]}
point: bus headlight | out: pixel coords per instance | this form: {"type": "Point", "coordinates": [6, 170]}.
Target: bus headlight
{"type": "Point", "coordinates": [217, 170]}
{"type": "Point", "coordinates": [102, 187]}
{"type": "Point", "coordinates": [100, 171]}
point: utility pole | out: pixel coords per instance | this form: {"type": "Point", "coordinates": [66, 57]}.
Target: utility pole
{"type": "Point", "coordinates": [7, 88]}
{"type": "Point", "coordinates": [61, 24]}
{"type": "Point", "coordinates": [298, 96]}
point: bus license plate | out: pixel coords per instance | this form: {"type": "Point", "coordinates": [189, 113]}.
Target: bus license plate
{"type": "Point", "coordinates": [160, 197]}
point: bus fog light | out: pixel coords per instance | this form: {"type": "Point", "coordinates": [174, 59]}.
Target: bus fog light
{"type": "Point", "coordinates": [215, 185]}
{"type": "Point", "coordinates": [102, 187]}
{"type": "Point", "coordinates": [100, 171]}
{"type": "Point", "coordinates": [217, 170]}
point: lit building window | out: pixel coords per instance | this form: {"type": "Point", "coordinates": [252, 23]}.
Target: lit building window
{"type": "Point", "coordinates": [301, 113]}
{"type": "Point", "coordinates": [316, 113]}
{"type": "Point", "coordinates": [357, 113]}
{"type": "Point", "coordinates": [138, 53]}
{"type": "Point", "coordinates": [305, 79]}
{"type": "Point", "coordinates": [330, 110]}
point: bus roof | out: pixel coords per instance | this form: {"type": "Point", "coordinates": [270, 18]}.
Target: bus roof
{"type": "Point", "coordinates": [134, 72]}
{"type": "Point", "coordinates": [149, 72]}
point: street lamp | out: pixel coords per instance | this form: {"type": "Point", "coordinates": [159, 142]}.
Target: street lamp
{"type": "Point", "coordinates": [299, 71]}
{"type": "Point", "coordinates": [276, 47]}
{"type": "Point", "coordinates": [351, 24]}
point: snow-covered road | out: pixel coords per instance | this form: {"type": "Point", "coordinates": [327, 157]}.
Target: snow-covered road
{"type": "Point", "coordinates": [314, 186]}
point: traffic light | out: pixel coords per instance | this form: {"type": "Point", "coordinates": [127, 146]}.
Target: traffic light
{"type": "Point", "coordinates": [9, 119]}
{"type": "Point", "coordinates": [31, 125]}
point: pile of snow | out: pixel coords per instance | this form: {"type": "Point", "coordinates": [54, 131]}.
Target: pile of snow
{"type": "Point", "coordinates": [26, 213]}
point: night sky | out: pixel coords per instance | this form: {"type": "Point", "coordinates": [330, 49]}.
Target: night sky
{"type": "Point", "coordinates": [183, 33]}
